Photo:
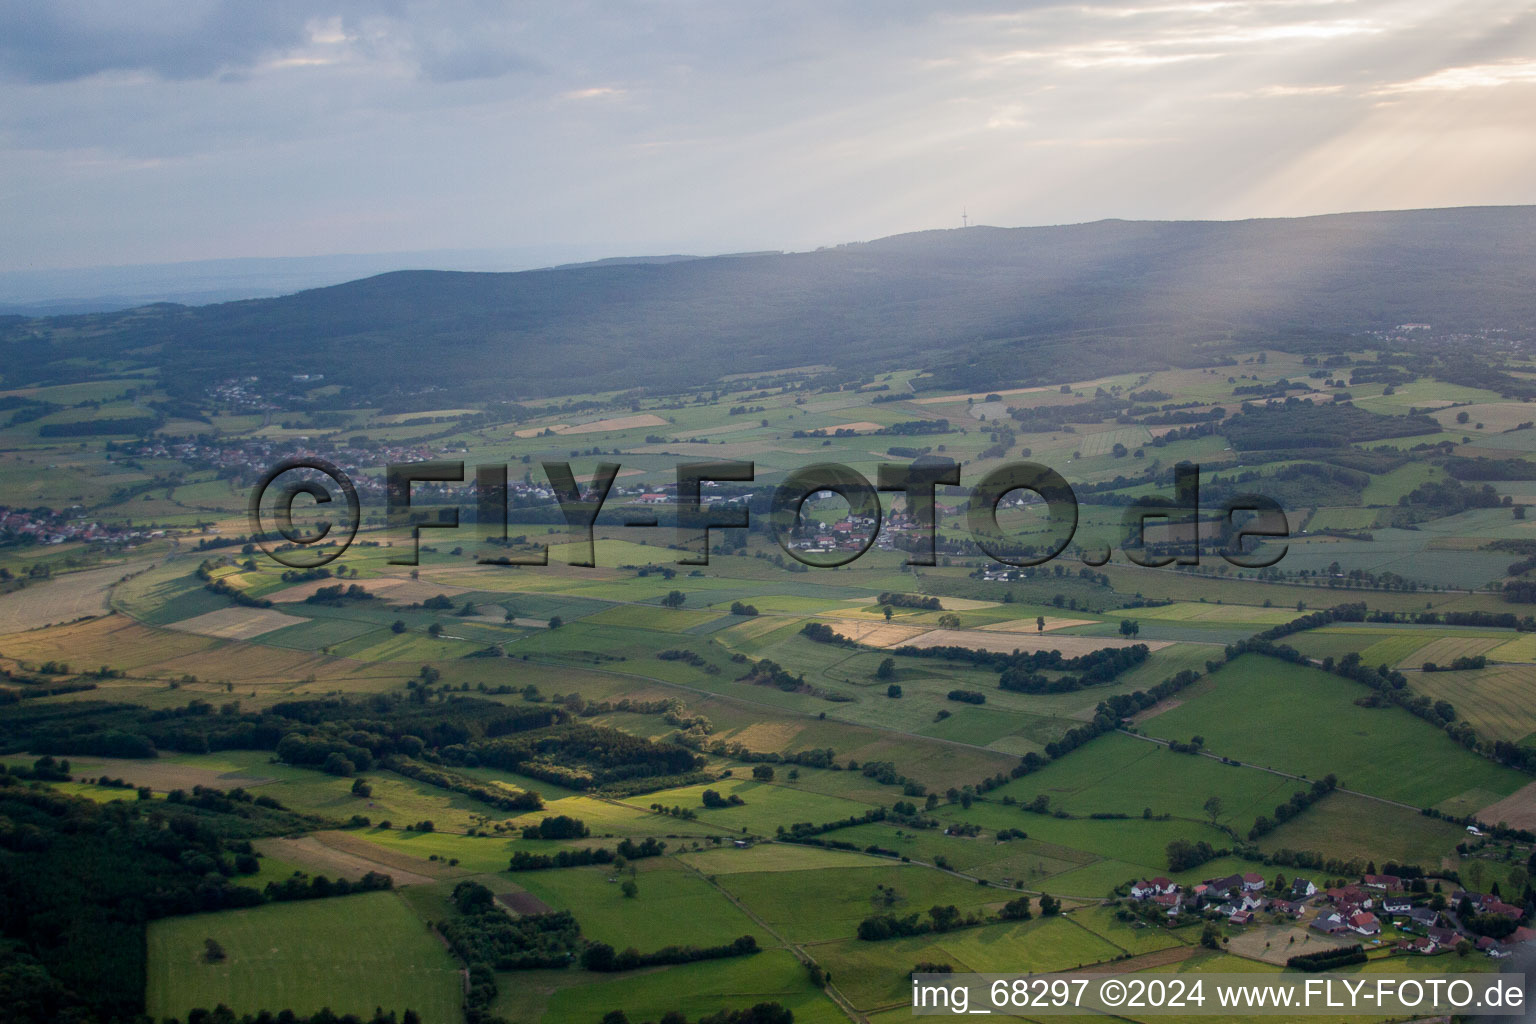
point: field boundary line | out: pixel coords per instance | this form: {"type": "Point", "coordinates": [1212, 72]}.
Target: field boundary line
{"type": "Point", "coordinates": [1276, 771]}
{"type": "Point", "coordinates": [831, 989]}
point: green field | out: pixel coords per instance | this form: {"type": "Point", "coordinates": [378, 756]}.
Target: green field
{"type": "Point", "coordinates": [874, 975]}
{"type": "Point", "coordinates": [1113, 805]}
{"type": "Point", "coordinates": [1304, 721]}
{"type": "Point", "coordinates": [350, 956]}
{"type": "Point", "coordinates": [1347, 826]}
{"type": "Point", "coordinates": [1125, 775]}
{"type": "Point", "coordinates": [675, 906]}
{"type": "Point", "coordinates": [694, 989]}
{"type": "Point", "coordinates": [846, 896]}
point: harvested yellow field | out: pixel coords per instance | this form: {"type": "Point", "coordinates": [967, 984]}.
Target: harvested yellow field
{"type": "Point", "coordinates": [64, 598]}
{"type": "Point", "coordinates": [616, 423]}
{"type": "Point", "coordinates": [336, 853]}
{"type": "Point", "coordinates": [1006, 643]}
{"type": "Point", "coordinates": [876, 632]}
{"type": "Point", "coordinates": [766, 735]}
{"type": "Point", "coordinates": [116, 641]}
{"type": "Point", "coordinates": [1494, 417]}
{"type": "Point", "coordinates": [536, 431]}
{"type": "Point", "coordinates": [163, 774]}
{"type": "Point", "coordinates": [1498, 701]}
{"type": "Point", "coordinates": [251, 663]}
{"type": "Point", "coordinates": [1522, 648]}
{"type": "Point", "coordinates": [236, 623]}
{"type": "Point", "coordinates": [1031, 626]}
{"type": "Point", "coordinates": [400, 416]}
{"type": "Point", "coordinates": [1518, 810]}
{"type": "Point", "coordinates": [1448, 648]}
{"type": "Point", "coordinates": [965, 604]}
{"type": "Point", "coordinates": [597, 426]}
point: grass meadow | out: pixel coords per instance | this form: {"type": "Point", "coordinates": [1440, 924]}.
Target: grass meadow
{"type": "Point", "coordinates": [350, 956]}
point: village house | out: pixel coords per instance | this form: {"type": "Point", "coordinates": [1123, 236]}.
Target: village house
{"type": "Point", "coordinates": [1365, 923]}
{"type": "Point", "coordinates": [1301, 888]}
{"type": "Point", "coordinates": [1145, 889]}
{"type": "Point", "coordinates": [1329, 922]}
{"type": "Point", "coordinates": [1222, 887]}
{"type": "Point", "coordinates": [1443, 938]}
{"type": "Point", "coordinates": [1290, 908]}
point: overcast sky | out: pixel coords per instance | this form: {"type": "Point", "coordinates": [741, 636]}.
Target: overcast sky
{"type": "Point", "coordinates": [136, 131]}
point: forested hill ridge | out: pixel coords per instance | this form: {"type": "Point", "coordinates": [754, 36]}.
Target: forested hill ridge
{"type": "Point", "coordinates": [985, 306]}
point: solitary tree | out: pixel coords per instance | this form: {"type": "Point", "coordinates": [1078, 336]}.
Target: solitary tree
{"type": "Point", "coordinates": [213, 952]}
{"type": "Point", "coordinates": [1129, 627]}
{"type": "Point", "coordinates": [887, 669]}
{"type": "Point", "coordinates": [1040, 623]}
{"type": "Point", "coordinates": [1213, 808]}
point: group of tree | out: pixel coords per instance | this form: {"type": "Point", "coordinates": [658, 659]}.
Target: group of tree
{"type": "Point", "coordinates": [627, 850]}
{"type": "Point", "coordinates": [1300, 801]}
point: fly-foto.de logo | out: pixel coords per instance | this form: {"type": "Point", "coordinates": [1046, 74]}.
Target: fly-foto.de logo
{"type": "Point", "coordinates": [320, 485]}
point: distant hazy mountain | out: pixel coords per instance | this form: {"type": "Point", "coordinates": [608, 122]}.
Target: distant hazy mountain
{"type": "Point", "coordinates": [988, 305]}
{"type": "Point", "coordinates": [200, 282]}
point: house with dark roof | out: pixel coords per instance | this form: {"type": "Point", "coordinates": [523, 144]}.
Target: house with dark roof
{"type": "Point", "coordinates": [1444, 937]}
{"type": "Point", "coordinates": [1493, 905]}
{"type": "Point", "coordinates": [1223, 886]}
{"type": "Point", "coordinates": [1329, 923]}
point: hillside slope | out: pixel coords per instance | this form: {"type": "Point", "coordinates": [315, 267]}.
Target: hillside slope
{"type": "Point", "coordinates": [989, 305]}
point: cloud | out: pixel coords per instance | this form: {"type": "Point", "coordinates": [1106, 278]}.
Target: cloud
{"type": "Point", "coordinates": [64, 40]}
{"type": "Point", "coordinates": [147, 130]}
{"type": "Point", "coordinates": [597, 92]}
{"type": "Point", "coordinates": [179, 40]}
{"type": "Point", "coordinates": [1475, 76]}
